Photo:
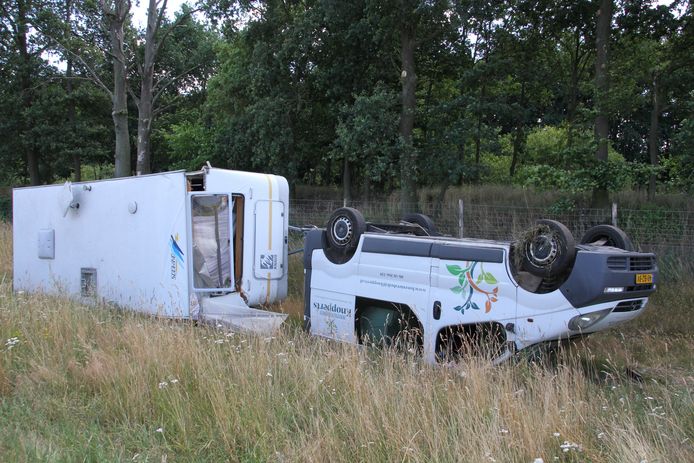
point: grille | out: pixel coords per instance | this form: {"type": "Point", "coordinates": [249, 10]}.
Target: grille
{"type": "Point", "coordinates": [641, 263]}
{"type": "Point", "coordinates": [628, 306]}
{"type": "Point", "coordinates": [88, 282]}
{"type": "Point", "coordinates": [617, 263]}
{"type": "Point", "coordinates": [631, 263]}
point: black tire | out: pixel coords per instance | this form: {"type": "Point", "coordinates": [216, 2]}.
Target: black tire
{"type": "Point", "coordinates": [548, 249]}
{"type": "Point", "coordinates": [342, 233]}
{"type": "Point", "coordinates": [423, 221]}
{"type": "Point", "coordinates": [608, 235]}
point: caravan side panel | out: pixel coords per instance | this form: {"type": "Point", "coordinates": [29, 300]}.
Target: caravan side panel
{"type": "Point", "coordinates": [127, 238]}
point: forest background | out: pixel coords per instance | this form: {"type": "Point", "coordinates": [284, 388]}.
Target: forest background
{"type": "Point", "coordinates": [374, 97]}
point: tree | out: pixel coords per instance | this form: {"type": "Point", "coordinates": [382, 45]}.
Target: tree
{"type": "Point", "coordinates": [153, 85]}
{"type": "Point", "coordinates": [23, 54]}
{"type": "Point", "coordinates": [602, 128]}
{"type": "Point", "coordinates": [116, 14]}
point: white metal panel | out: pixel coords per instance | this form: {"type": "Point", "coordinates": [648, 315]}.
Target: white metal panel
{"type": "Point", "coordinates": [138, 257]}
{"type": "Point", "coordinates": [332, 315]}
{"type": "Point", "coordinates": [256, 187]}
{"type": "Point", "coordinates": [47, 243]}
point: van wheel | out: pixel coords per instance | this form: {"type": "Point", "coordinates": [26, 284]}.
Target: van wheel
{"type": "Point", "coordinates": [607, 235]}
{"type": "Point", "coordinates": [548, 249]}
{"type": "Point", "coordinates": [423, 221]}
{"type": "Point", "coordinates": [342, 233]}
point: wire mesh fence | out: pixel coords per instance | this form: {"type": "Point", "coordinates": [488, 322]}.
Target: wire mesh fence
{"type": "Point", "coordinates": [669, 233]}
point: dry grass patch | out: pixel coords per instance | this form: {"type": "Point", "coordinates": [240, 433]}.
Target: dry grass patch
{"type": "Point", "coordinates": [101, 384]}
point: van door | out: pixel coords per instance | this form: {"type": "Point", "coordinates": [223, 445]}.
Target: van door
{"type": "Point", "coordinates": [470, 290]}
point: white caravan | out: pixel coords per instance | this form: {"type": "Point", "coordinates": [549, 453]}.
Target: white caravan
{"type": "Point", "coordinates": [368, 282]}
{"type": "Point", "coordinates": [205, 245]}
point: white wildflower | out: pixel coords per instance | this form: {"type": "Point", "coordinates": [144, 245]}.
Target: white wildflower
{"type": "Point", "coordinates": [163, 384]}
{"type": "Point", "coordinates": [160, 430]}
{"type": "Point", "coordinates": [538, 460]}
{"type": "Point", "coordinates": [566, 446]}
{"type": "Point", "coordinates": [556, 434]}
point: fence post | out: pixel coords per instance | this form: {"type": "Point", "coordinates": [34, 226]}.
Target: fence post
{"type": "Point", "coordinates": [460, 218]}
{"type": "Point", "coordinates": [614, 214]}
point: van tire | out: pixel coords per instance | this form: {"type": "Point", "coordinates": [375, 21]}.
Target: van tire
{"type": "Point", "coordinates": [423, 221]}
{"type": "Point", "coordinates": [548, 249]}
{"type": "Point", "coordinates": [342, 233]}
{"type": "Point", "coordinates": [608, 235]}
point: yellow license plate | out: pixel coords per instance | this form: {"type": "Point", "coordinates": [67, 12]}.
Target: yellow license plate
{"type": "Point", "coordinates": [644, 278]}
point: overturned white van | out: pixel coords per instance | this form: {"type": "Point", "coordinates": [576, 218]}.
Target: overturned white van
{"type": "Point", "coordinates": [383, 283]}
{"type": "Point", "coordinates": [206, 245]}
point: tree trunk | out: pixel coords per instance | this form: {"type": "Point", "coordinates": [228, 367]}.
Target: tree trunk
{"type": "Point", "coordinates": [518, 135]}
{"type": "Point", "coordinates": [145, 103]}
{"type": "Point", "coordinates": [600, 196]}
{"type": "Point", "coordinates": [25, 83]}
{"type": "Point", "coordinates": [116, 19]}
{"type": "Point", "coordinates": [654, 135]}
{"type": "Point", "coordinates": [76, 158]}
{"type": "Point", "coordinates": [408, 157]}
{"type": "Point", "coordinates": [573, 89]}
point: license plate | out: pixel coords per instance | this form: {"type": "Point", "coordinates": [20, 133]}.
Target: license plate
{"type": "Point", "coordinates": [644, 278]}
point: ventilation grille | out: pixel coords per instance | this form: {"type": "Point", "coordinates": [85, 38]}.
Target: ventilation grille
{"type": "Point", "coordinates": [88, 282]}
{"type": "Point", "coordinates": [631, 263]}
{"type": "Point", "coordinates": [628, 306]}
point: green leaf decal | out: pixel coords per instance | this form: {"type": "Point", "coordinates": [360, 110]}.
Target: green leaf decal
{"type": "Point", "coordinates": [479, 278]}
{"type": "Point", "coordinates": [489, 279]}
{"type": "Point", "coordinates": [457, 289]}
{"type": "Point", "coordinates": [454, 269]}
{"type": "Point", "coordinates": [462, 281]}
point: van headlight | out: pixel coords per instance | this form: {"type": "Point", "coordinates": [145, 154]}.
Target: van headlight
{"type": "Point", "coordinates": [582, 322]}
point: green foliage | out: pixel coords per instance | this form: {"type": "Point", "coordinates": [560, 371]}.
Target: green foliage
{"type": "Point", "coordinates": [366, 135]}
{"type": "Point", "coordinates": [189, 144]}
{"type": "Point", "coordinates": [504, 92]}
{"type": "Point", "coordinates": [496, 168]}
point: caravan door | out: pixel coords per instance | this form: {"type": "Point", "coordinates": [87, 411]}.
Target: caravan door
{"type": "Point", "coordinates": [211, 230]}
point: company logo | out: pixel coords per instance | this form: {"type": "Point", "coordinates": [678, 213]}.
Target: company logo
{"type": "Point", "coordinates": [268, 261]}
{"type": "Point", "coordinates": [468, 285]}
{"type": "Point", "coordinates": [176, 256]}
{"type": "Point", "coordinates": [332, 310]}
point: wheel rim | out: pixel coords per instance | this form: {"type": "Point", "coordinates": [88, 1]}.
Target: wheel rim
{"type": "Point", "coordinates": [342, 230]}
{"type": "Point", "coordinates": [543, 249]}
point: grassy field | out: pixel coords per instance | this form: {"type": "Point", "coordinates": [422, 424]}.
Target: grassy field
{"type": "Point", "coordinates": [96, 384]}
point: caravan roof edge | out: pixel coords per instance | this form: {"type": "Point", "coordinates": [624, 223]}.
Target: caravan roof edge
{"type": "Point", "coordinates": [27, 187]}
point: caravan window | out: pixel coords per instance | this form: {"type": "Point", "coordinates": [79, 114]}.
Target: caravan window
{"type": "Point", "coordinates": [211, 242]}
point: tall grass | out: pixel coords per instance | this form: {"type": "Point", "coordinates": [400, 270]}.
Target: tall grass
{"type": "Point", "coordinates": [97, 384]}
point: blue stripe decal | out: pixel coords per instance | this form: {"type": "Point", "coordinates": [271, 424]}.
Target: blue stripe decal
{"type": "Point", "coordinates": [176, 249]}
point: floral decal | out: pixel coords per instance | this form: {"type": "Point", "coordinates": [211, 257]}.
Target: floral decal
{"type": "Point", "coordinates": [468, 284]}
